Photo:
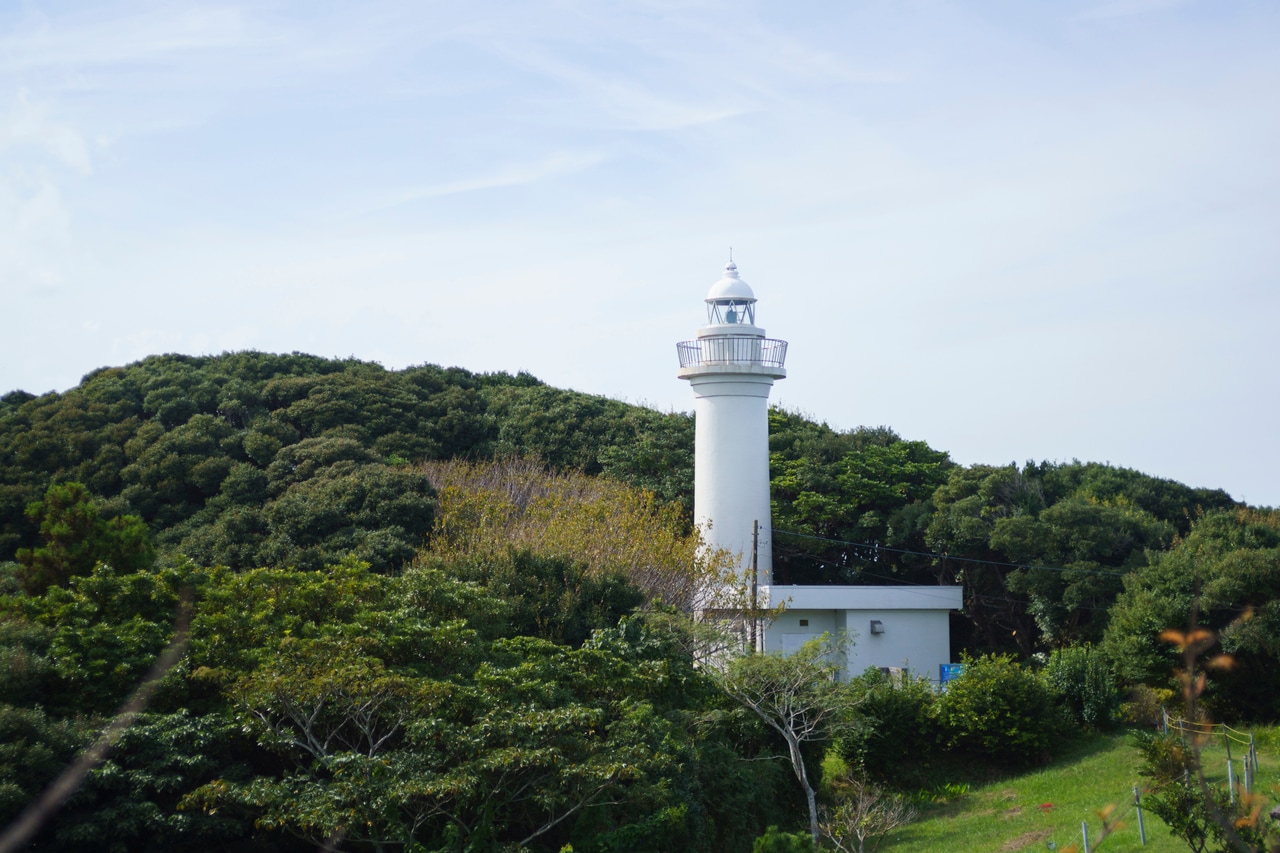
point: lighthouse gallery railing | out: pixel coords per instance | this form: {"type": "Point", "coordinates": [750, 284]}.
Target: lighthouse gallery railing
{"type": "Point", "coordinates": [732, 349]}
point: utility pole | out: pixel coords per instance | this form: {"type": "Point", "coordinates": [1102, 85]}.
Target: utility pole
{"type": "Point", "coordinates": [755, 548]}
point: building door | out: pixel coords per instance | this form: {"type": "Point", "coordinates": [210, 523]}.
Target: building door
{"type": "Point", "coordinates": [791, 643]}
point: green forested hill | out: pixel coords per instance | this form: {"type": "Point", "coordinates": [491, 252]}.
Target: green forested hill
{"type": "Point", "coordinates": [429, 609]}
{"type": "Point", "coordinates": [252, 459]}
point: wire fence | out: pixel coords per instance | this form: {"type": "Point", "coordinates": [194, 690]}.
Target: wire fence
{"type": "Point", "coordinates": [1246, 747]}
{"type": "Point", "coordinates": [1238, 777]}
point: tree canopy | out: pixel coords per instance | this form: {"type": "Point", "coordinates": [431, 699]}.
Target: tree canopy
{"type": "Point", "coordinates": [448, 706]}
{"type": "Point", "coordinates": [1224, 575]}
{"type": "Point", "coordinates": [252, 459]}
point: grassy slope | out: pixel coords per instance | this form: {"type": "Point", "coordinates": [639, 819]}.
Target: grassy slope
{"type": "Point", "coordinates": [1007, 816]}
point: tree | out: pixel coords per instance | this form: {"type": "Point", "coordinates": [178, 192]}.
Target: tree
{"type": "Point", "coordinates": [1080, 677]}
{"type": "Point", "coordinates": [657, 455]}
{"type": "Point", "coordinates": [77, 537]}
{"type": "Point", "coordinates": [34, 748]}
{"type": "Point", "coordinates": [104, 631]}
{"type": "Point", "coordinates": [554, 598]}
{"type": "Point", "coordinates": [319, 501]}
{"type": "Point", "coordinates": [338, 716]}
{"type": "Point", "coordinates": [490, 508]}
{"type": "Point", "coordinates": [1073, 531]}
{"type": "Point", "coordinates": [130, 801]}
{"type": "Point", "coordinates": [394, 740]}
{"type": "Point", "coordinates": [1225, 576]}
{"type": "Point", "coordinates": [1094, 542]}
{"type": "Point", "coordinates": [380, 514]}
{"type": "Point", "coordinates": [358, 709]}
{"type": "Point", "coordinates": [565, 429]}
{"type": "Point", "coordinates": [797, 696]}
{"type": "Point", "coordinates": [866, 486]}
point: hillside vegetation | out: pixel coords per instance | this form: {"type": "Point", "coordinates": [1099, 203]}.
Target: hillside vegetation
{"type": "Point", "coordinates": [251, 459]}
{"type": "Point", "coordinates": [435, 610]}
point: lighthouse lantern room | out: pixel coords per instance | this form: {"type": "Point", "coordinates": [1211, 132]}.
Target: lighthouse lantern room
{"type": "Point", "coordinates": [731, 301]}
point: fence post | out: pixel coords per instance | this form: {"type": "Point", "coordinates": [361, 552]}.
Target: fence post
{"type": "Point", "coordinates": [1084, 830]}
{"type": "Point", "coordinates": [1164, 720]}
{"type": "Point", "coordinates": [1231, 780]}
{"type": "Point", "coordinates": [1226, 735]}
{"type": "Point", "coordinates": [1137, 804]}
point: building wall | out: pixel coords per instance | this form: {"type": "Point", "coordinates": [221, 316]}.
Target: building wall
{"type": "Point", "coordinates": [916, 639]}
{"type": "Point", "coordinates": [786, 634]}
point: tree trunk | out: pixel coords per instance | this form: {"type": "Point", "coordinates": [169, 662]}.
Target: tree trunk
{"type": "Point", "coordinates": [802, 773]}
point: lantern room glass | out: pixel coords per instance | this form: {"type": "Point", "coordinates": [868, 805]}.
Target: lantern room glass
{"type": "Point", "coordinates": [727, 312]}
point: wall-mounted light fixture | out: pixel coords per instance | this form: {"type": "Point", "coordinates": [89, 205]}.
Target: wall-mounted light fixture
{"type": "Point", "coordinates": [877, 627]}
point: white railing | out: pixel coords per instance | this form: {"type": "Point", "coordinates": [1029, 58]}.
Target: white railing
{"type": "Point", "coordinates": [732, 349]}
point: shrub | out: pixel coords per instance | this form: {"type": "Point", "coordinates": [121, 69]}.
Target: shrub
{"type": "Point", "coordinates": [1204, 816]}
{"type": "Point", "coordinates": [776, 841]}
{"type": "Point", "coordinates": [1000, 710]}
{"type": "Point", "coordinates": [1081, 680]}
{"type": "Point", "coordinates": [1142, 705]}
{"type": "Point", "coordinates": [897, 730]}
{"type": "Point", "coordinates": [863, 815]}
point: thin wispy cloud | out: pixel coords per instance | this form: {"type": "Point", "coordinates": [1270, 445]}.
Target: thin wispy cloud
{"type": "Point", "coordinates": [1128, 8]}
{"type": "Point", "coordinates": [595, 96]}
{"type": "Point", "coordinates": [34, 235]}
{"type": "Point", "coordinates": [28, 123]}
{"type": "Point", "coordinates": [124, 48]}
{"type": "Point", "coordinates": [38, 153]}
{"type": "Point", "coordinates": [110, 36]}
{"type": "Point", "coordinates": [511, 175]}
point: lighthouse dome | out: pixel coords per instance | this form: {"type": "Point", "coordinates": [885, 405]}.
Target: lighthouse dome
{"type": "Point", "coordinates": [730, 288]}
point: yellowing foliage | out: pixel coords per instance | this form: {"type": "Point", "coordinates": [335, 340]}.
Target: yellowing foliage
{"type": "Point", "coordinates": [1266, 517]}
{"type": "Point", "coordinates": [492, 506]}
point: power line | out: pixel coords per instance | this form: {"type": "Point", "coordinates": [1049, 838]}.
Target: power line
{"type": "Point", "coordinates": [969, 593]}
{"type": "Point", "coordinates": [936, 556]}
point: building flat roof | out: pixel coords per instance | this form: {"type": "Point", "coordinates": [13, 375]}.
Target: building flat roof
{"type": "Point", "coordinates": [864, 597]}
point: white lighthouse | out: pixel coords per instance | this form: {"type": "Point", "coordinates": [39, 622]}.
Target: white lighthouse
{"type": "Point", "coordinates": [731, 366]}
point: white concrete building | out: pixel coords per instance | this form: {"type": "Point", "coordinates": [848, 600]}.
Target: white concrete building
{"type": "Point", "coordinates": [891, 627]}
{"type": "Point", "coordinates": [731, 367]}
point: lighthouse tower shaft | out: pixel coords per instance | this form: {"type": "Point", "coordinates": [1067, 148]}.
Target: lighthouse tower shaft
{"type": "Point", "coordinates": [731, 366]}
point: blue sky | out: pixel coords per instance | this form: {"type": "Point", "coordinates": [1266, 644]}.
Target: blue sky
{"type": "Point", "coordinates": [1013, 230]}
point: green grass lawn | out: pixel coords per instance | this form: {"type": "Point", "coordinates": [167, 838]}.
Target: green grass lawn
{"type": "Point", "coordinates": [1044, 809]}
